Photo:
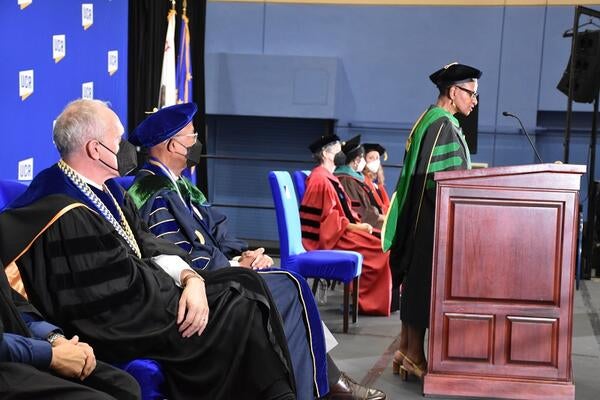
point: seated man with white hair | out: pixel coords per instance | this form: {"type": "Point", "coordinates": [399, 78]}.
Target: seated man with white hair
{"type": "Point", "coordinates": [89, 265]}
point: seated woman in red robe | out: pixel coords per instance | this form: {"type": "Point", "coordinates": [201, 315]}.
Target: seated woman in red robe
{"type": "Point", "coordinates": [373, 173]}
{"type": "Point", "coordinates": [328, 222]}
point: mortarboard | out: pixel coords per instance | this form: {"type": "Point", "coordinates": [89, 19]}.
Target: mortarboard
{"type": "Point", "coordinates": [375, 147]}
{"type": "Point", "coordinates": [323, 141]}
{"type": "Point", "coordinates": [454, 73]}
{"type": "Point", "coordinates": [352, 148]}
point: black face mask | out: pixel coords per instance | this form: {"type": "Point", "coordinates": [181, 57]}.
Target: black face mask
{"type": "Point", "coordinates": [339, 159]}
{"type": "Point", "coordinates": [126, 158]}
{"type": "Point", "coordinates": [192, 155]}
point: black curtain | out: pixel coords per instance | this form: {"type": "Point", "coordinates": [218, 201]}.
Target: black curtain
{"type": "Point", "coordinates": [147, 30]}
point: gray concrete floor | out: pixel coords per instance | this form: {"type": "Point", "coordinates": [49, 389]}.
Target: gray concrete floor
{"type": "Point", "coordinates": [365, 353]}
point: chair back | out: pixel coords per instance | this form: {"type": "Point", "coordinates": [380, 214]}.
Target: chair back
{"type": "Point", "coordinates": [300, 182]}
{"type": "Point", "coordinates": [9, 191]}
{"type": "Point", "coordinates": [288, 216]}
{"type": "Point", "coordinates": [125, 181]}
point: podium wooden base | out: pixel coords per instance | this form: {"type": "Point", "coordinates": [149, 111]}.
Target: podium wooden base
{"type": "Point", "coordinates": [502, 285]}
{"type": "Point", "coordinates": [442, 385]}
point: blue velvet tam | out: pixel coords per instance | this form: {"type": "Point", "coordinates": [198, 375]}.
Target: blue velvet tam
{"type": "Point", "coordinates": [163, 124]}
{"type": "Point", "coordinates": [454, 73]}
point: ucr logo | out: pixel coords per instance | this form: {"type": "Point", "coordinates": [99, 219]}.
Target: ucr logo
{"type": "Point", "coordinates": [25, 172]}
{"type": "Point", "coordinates": [24, 3]}
{"type": "Point", "coordinates": [113, 61]}
{"type": "Point", "coordinates": [59, 49]}
{"type": "Point", "coordinates": [87, 15]}
{"type": "Point", "coordinates": [87, 90]}
{"type": "Point", "coordinates": [25, 83]}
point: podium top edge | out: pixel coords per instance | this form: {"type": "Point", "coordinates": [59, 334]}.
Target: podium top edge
{"type": "Point", "coordinates": [512, 170]}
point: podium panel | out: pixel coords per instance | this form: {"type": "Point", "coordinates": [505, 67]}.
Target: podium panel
{"type": "Point", "coordinates": [502, 285]}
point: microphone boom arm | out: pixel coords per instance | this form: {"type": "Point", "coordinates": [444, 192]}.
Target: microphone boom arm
{"type": "Point", "coordinates": [507, 114]}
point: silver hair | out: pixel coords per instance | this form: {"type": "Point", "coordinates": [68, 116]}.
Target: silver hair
{"type": "Point", "coordinates": [319, 155]}
{"type": "Point", "coordinates": [78, 123]}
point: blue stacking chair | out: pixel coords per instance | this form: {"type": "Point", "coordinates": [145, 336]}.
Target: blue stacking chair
{"type": "Point", "coordinates": [340, 265]}
{"type": "Point", "coordinates": [146, 372]}
{"type": "Point", "coordinates": [300, 182]}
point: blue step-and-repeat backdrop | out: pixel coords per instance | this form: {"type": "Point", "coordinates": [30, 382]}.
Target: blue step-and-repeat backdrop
{"type": "Point", "coordinates": [54, 52]}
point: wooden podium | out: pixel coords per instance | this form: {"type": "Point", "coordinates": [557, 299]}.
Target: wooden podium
{"type": "Point", "coordinates": [502, 287]}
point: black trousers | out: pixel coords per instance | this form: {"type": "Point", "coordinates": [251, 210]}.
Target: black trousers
{"type": "Point", "coordinates": [21, 381]}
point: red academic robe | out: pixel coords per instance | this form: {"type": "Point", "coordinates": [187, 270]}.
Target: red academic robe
{"type": "Point", "coordinates": [324, 217]}
{"type": "Point", "coordinates": [380, 194]}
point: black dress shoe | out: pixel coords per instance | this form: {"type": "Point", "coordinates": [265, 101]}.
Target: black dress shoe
{"type": "Point", "coordinates": [347, 389]}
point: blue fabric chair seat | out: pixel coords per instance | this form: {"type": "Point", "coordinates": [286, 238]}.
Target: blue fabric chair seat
{"type": "Point", "coordinates": [339, 265]}
{"type": "Point", "coordinates": [149, 375]}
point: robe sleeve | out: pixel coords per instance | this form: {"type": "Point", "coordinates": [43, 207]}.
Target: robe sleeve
{"type": "Point", "coordinates": [20, 349]}
{"type": "Point", "coordinates": [444, 152]}
{"type": "Point", "coordinates": [84, 278]}
{"type": "Point", "coordinates": [321, 216]}
{"type": "Point", "coordinates": [385, 198]}
{"type": "Point", "coordinates": [150, 244]}
{"type": "Point", "coordinates": [230, 245]}
{"type": "Point", "coordinates": [165, 220]}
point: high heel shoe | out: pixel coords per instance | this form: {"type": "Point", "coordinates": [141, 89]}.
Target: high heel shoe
{"type": "Point", "coordinates": [409, 368]}
{"type": "Point", "coordinates": [397, 361]}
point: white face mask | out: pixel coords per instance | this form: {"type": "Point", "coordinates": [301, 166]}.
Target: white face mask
{"type": "Point", "coordinates": [374, 165]}
{"type": "Point", "coordinates": [361, 165]}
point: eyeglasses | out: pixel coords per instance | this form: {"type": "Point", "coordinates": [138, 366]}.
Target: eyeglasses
{"type": "Point", "coordinates": [194, 135]}
{"type": "Point", "coordinates": [470, 92]}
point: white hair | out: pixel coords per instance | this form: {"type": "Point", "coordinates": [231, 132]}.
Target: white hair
{"type": "Point", "coordinates": [78, 123]}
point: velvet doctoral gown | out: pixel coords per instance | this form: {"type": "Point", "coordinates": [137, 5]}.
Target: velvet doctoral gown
{"type": "Point", "coordinates": [84, 277]}
{"type": "Point", "coordinates": [325, 213]}
{"type": "Point", "coordinates": [361, 196]}
{"type": "Point", "coordinates": [436, 143]}
{"type": "Point", "coordinates": [177, 211]}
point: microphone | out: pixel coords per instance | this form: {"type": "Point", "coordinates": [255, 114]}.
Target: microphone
{"type": "Point", "coordinates": [507, 114]}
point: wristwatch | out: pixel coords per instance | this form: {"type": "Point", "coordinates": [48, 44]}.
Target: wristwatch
{"type": "Point", "coordinates": [53, 336]}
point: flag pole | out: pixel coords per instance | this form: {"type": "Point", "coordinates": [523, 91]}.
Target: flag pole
{"type": "Point", "coordinates": [173, 4]}
{"type": "Point", "coordinates": [184, 6]}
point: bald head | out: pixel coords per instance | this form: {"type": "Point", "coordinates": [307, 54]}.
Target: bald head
{"type": "Point", "coordinates": [81, 121]}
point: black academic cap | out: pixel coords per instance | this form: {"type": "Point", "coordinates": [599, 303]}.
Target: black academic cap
{"type": "Point", "coordinates": [454, 73]}
{"type": "Point", "coordinates": [323, 141]}
{"type": "Point", "coordinates": [352, 148]}
{"type": "Point", "coordinates": [375, 147]}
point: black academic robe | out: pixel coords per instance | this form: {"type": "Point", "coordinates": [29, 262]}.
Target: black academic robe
{"type": "Point", "coordinates": [18, 380]}
{"type": "Point", "coordinates": [441, 148]}
{"type": "Point", "coordinates": [177, 215]}
{"type": "Point", "coordinates": [85, 278]}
